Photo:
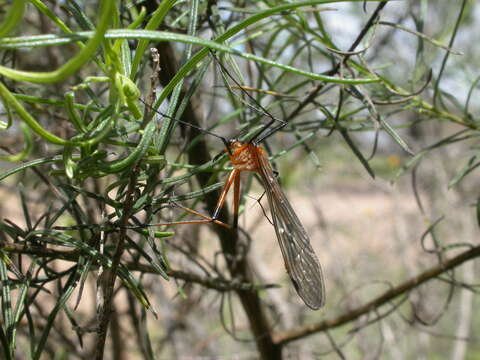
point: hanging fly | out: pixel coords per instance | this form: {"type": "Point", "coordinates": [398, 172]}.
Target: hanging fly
{"type": "Point", "coordinates": [300, 260]}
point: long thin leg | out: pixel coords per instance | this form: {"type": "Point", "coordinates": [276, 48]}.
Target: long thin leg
{"type": "Point", "coordinates": [206, 219]}
{"type": "Point", "coordinates": [233, 177]}
{"type": "Point", "coordinates": [258, 139]}
{"type": "Point", "coordinates": [236, 199]}
{"type": "Point", "coordinates": [263, 133]}
{"type": "Point", "coordinates": [223, 195]}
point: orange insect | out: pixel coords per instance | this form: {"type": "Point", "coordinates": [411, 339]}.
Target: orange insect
{"type": "Point", "coordinates": [300, 260]}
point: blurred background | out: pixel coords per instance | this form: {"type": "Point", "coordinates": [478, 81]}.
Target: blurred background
{"type": "Point", "coordinates": [380, 168]}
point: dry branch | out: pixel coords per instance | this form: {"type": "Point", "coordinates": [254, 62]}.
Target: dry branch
{"type": "Point", "coordinates": [387, 296]}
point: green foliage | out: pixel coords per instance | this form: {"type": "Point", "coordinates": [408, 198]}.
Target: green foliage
{"type": "Point", "coordinates": [97, 137]}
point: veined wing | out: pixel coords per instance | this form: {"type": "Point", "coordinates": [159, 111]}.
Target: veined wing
{"type": "Point", "coordinates": [301, 262]}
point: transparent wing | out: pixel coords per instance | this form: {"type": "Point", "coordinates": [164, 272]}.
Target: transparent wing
{"type": "Point", "coordinates": [301, 262]}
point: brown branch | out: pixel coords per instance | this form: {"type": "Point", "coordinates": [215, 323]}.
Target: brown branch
{"type": "Point", "coordinates": [106, 282]}
{"type": "Point", "coordinates": [214, 283]}
{"type": "Point", "coordinates": [403, 288]}
{"type": "Point", "coordinates": [209, 282]}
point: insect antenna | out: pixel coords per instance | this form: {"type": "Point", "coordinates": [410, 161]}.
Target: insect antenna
{"type": "Point", "coordinates": [266, 131]}
{"type": "Point", "coordinates": [199, 128]}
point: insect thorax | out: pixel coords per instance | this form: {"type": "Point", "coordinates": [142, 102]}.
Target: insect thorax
{"type": "Point", "coordinates": [244, 156]}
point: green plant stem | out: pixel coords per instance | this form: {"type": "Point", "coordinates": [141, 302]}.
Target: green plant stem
{"type": "Point", "coordinates": [12, 18]}
{"type": "Point", "coordinates": [71, 66]}
{"type": "Point", "coordinates": [11, 101]}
